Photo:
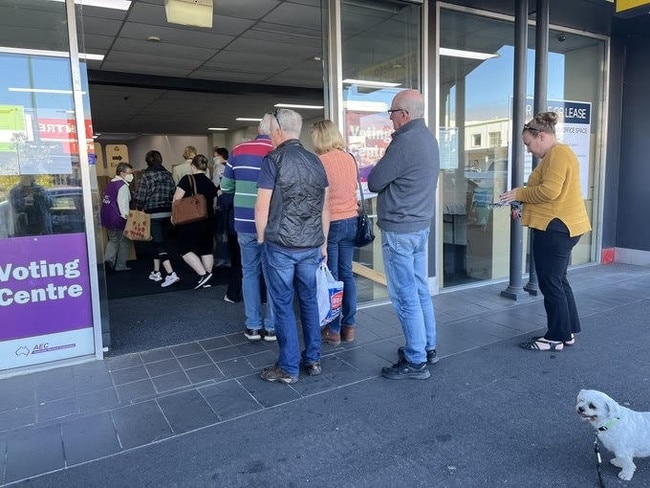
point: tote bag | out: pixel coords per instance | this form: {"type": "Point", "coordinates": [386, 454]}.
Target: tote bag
{"type": "Point", "coordinates": [191, 208]}
{"type": "Point", "coordinates": [138, 226]}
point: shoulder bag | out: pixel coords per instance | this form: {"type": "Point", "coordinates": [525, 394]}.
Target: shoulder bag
{"type": "Point", "coordinates": [365, 232]}
{"type": "Point", "coordinates": [191, 208]}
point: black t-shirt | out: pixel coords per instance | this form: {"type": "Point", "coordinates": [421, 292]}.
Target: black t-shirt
{"type": "Point", "coordinates": [204, 186]}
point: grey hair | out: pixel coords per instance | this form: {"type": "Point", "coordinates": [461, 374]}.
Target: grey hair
{"type": "Point", "coordinates": [414, 106]}
{"type": "Point", "coordinates": [290, 121]}
{"type": "Point", "coordinates": [265, 125]}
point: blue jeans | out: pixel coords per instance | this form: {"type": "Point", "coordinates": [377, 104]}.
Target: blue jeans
{"type": "Point", "coordinates": [405, 263]}
{"type": "Point", "coordinates": [284, 268]}
{"type": "Point", "coordinates": [252, 258]}
{"type": "Point", "coordinates": [340, 248]}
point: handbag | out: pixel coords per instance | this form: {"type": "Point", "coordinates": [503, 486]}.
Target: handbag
{"type": "Point", "coordinates": [138, 226]}
{"type": "Point", "coordinates": [365, 231]}
{"type": "Point", "coordinates": [191, 208]}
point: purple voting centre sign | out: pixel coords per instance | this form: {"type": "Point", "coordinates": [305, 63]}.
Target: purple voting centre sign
{"type": "Point", "coordinates": [45, 299]}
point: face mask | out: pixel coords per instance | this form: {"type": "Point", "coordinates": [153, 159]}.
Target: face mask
{"type": "Point", "coordinates": [129, 178]}
{"type": "Point", "coordinates": [215, 160]}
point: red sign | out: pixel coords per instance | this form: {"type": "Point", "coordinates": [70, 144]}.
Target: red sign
{"type": "Point", "coordinates": [65, 131]}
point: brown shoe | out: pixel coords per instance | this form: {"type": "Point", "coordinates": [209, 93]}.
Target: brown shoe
{"type": "Point", "coordinates": [330, 337]}
{"type": "Point", "coordinates": [347, 333]}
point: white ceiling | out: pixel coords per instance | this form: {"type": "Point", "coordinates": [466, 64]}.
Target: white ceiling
{"type": "Point", "coordinates": [257, 53]}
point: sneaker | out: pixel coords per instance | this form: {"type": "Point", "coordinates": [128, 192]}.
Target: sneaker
{"type": "Point", "coordinates": [155, 276]}
{"type": "Point", "coordinates": [312, 369]}
{"type": "Point", "coordinates": [252, 335]}
{"type": "Point", "coordinates": [403, 370]}
{"type": "Point", "coordinates": [170, 279]}
{"type": "Point", "coordinates": [432, 357]}
{"type": "Point", "coordinates": [275, 374]}
{"type": "Point", "coordinates": [269, 335]}
{"type": "Point", "coordinates": [329, 337]}
{"type": "Point", "coordinates": [347, 333]}
{"type": "Point", "coordinates": [203, 280]}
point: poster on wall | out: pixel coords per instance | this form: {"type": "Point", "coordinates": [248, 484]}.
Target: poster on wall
{"type": "Point", "coordinates": [116, 154]}
{"type": "Point", "coordinates": [368, 134]}
{"type": "Point", "coordinates": [573, 129]}
{"type": "Point", "coordinates": [45, 300]}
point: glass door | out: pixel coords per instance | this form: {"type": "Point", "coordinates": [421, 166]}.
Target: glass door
{"type": "Point", "coordinates": [380, 56]}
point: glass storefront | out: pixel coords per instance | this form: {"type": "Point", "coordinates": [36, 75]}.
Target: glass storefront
{"type": "Point", "coordinates": [476, 136]}
{"type": "Point", "coordinates": [45, 284]}
{"type": "Point", "coordinates": [381, 55]}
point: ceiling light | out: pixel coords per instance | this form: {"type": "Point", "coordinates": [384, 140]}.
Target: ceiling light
{"type": "Point", "coordinates": [153, 39]}
{"type": "Point", "coordinates": [217, 128]}
{"type": "Point", "coordinates": [189, 12]}
{"type": "Point", "coordinates": [44, 52]}
{"type": "Point", "coordinates": [112, 4]}
{"type": "Point", "coordinates": [295, 105]}
{"type": "Point", "coordinates": [458, 53]}
{"type": "Point", "coordinates": [42, 90]}
{"type": "Point", "coordinates": [248, 119]}
{"type": "Point", "coordinates": [370, 83]}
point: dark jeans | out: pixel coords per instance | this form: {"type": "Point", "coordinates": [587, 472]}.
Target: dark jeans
{"type": "Point", "coordinates": [340, 249]}
{"type": "Point", "coordinates": [234, 291]}
{"type": "Point", "coordinates": [552, 254]}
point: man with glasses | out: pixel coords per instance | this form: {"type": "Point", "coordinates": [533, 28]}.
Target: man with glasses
{"type": "Point", "coordinates": [405, 180]}
{"type": "Point", "coordinates": [292, 221]}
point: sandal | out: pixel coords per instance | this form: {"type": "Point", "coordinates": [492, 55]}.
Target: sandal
{"type": "Point", "coordinates": [570, 342]}
{"type": "Point", "coordinates": [542, 344]}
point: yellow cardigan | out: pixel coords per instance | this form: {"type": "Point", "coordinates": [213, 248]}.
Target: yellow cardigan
{"type": "Point", "coordinates": [553, 191]}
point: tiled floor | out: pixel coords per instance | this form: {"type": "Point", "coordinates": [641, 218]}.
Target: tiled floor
{"type": "Point", "coordinates": [58, 418]}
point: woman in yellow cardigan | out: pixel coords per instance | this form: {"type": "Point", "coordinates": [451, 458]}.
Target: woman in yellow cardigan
{"type": "Point", "coordinates": [555, 209]}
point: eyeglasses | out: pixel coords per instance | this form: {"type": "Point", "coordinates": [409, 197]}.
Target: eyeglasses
{"type": "Point", "coordinates": [275, 116]}
{"type": "Point", "coordinates": [393, 110]}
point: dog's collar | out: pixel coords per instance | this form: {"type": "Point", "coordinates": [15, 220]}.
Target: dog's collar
{"type": "Point", "coordinates": [608, 425]}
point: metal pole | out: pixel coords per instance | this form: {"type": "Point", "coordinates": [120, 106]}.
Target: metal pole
{"type": "Point", "coordinates": [540, 105]}
{"type": "Point", "coordinates": [515, 290]}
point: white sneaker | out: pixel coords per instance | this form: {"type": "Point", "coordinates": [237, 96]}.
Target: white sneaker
{"type": "Point", "coordinates": [155, 276]}
{"type": "Point", "coordinates": [170, 279]}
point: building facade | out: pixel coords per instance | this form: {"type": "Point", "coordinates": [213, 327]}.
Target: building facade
{"type": "Point", "coordinates": [460, 54]}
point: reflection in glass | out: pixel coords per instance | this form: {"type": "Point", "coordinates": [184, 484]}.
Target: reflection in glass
{"type": "Point", "coordinates": [476, 134]}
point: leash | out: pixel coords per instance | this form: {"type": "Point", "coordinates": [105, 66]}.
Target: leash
{"type": "Point", "coordinates": [599, 461]}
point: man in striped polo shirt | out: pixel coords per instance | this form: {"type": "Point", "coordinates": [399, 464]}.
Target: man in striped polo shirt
{"type": "Point", "coordinates": [240, 177]}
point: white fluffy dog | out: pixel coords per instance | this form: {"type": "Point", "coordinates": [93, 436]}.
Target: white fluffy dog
{"type": "Point", "coordinates": [621, 430]}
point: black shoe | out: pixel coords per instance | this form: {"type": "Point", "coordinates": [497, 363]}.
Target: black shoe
{"type": "Point", "coordinates": [403, 370]}
{"type": "Point", "coordinates": [203, 280]}
{"type": "Point", "coordinates": [252, 335]}
{"type": "Point", "coordinates": [312, 369]}
{"type": "Point", "coordinates": [432, 357]}
{"type": "Point", "coordinates": [108, 267]}
{"type": "Point", "coordinates": [269, 335]}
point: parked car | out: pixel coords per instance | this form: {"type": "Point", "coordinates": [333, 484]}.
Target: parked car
{"type": "Point", "coordinates": [66, 211]}
{"type": "Point", "coordinates": [64, 214]}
